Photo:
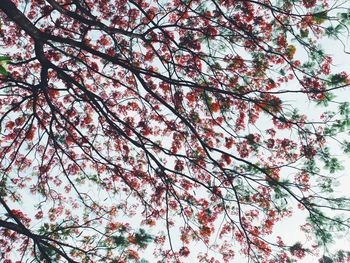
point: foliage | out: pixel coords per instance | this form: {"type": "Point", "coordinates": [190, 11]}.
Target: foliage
{"type": "Point", "coordinates": [131, 126]}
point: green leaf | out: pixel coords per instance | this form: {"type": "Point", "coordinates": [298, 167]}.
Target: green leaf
{"type": "Point", "coordinates": [120, 241]}
{"type": "Point", "coordinates": [142, 238]}
{"type": "Point", "coordinates": [346, 147]}
{"type": "Point", "coordinates": [333, 165]}
{"type": "Point", "coordinates": [326, 259]}
{"type": "Point", "coordinates": [320, 17]}
{"type": "Point", "coordinates": [328, 97]}
{"type": "Point", "coordinates": [304, 33]}
{"type": "Point", "coordinates": [4, 58]}
{"type": "Point", "coordinates": [337, 79]}
{"type": "Point", "coordinates": [334, 32]}
{"type": "Point", "coordinates": [3, 71]}
{"type": "Point", "coordinates": [345, 18]}
{"type": "Point", "coordinates": [344, 109]}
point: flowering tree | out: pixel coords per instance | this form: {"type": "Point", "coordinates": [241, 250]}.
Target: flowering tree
{"type": "Point", "coordinates": [129, 124]}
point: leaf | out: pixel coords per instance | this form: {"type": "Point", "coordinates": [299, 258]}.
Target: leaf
{"type": "Point", "coordinates": [346, 147]}
{"type": "Point", "coordinates": [337, 79]}
{"type": "Point", "coordinates": [320, 17]}
{"type": "Point", "coordinates": [142, 238]}
{"type": "Point", "coordinates": [4, 58]}
{"type": "Point", "coordinates": [325, 259]}
{"type": "Point", "coordinates": [120, 241]}
{"type": "Point", "coordinates": [3, 71]}
{"type": "Point", "coordinates": [304, 33]}
{"type": "Point", "coordinates": [334, 32]}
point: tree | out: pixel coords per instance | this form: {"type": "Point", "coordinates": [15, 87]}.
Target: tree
{"type": "Point", "coordinates": [159, 124]}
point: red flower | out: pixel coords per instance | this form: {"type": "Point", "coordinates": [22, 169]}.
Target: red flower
{"type": "Point", "coordinates": [184, 251]}
{"type": "Point", "coordinates": [215, 107]}
{"type": "Point", "coordinates": [309, 3]}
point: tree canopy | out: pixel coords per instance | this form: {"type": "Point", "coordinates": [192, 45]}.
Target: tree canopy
{"type": "Point", "coordinates": [131, 126]}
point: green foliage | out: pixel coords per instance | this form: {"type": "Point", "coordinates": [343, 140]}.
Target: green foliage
{"type": "Point", "coordinates": [323, 237]}
{"type": "Point", "coordinates": [337, 79]}
{"type": "Point", "coordinates": [346, 147]}
{"type": "Point", "coordinates": [311, 167]}
{"type": "Point", "coordinates": [120, 241]}
{"type": "Point", "coordinates": [320, 17]}
{"type": "Point", "coordinates": [44, 229]}
{"type": "Point", "coordinates": [3, 188]}
{"type": "Point", "coordinates": [51, 253]}
{"type": "Point", "coordinates": [280, 196]}
{"type": "Point", "coordinates": [304, 33]}
{"type": "Point", "coordinates": [4, 60]}
{"type": "Point", "coordinates": [260, 63]}
{"type": "Point", "coordinates": [142, 238]}
{"type": "Point", "coordinates": [332, 164]}
{"type": "Point", "coordinates": [345, 17]}
{"type": "Point", "coordinates": [320, 224]}
{"type": "Point", "coordinates": [344, 109]}
{"type": "Point", "coordinates": [342, 124]}
{"type": "Point", "coordinates": [328, 97]}
{"type": "Point", "coordinates": [297, 247]}
{"type": "Point", "coordinates": [326, 259]}
{"type": "Point", "coordinates": [341, 255]}
{"type": "Point", "coordinates": [326, 185]}
{"type": "Point", "coordinates": [317, 55]}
